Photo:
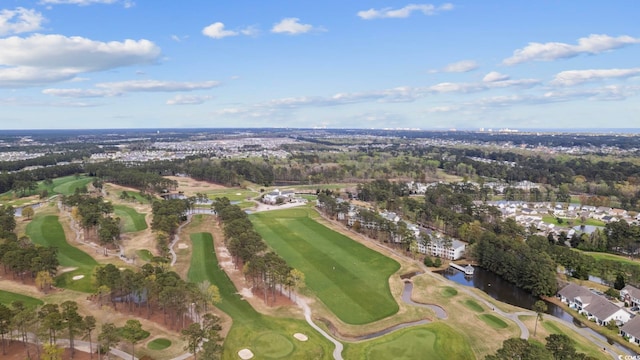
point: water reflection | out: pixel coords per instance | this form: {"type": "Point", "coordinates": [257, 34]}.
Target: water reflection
{"type": "Point", "coordinates": [502, 290]}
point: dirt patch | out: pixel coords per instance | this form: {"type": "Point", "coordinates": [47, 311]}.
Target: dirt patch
{"type": "Point", "coordinates": [18, 351]}
{"type": "Point", "coordinates": [191, 186]}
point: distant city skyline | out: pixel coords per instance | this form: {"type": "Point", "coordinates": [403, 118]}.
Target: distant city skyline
{"type": "Point", "coordinates": [96, 64]}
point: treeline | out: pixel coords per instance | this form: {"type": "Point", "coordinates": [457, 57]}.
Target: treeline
{"type": "Point", "coordinates": [154, 288]}
{"type": "Point", "coordinates": [23, 259]}
{"type": "Point", "coordinates": [230, 172]}
{"type": "Point", "coordinates": [26, 181]}
{"type": "Point", "coordinates": [517, 263]}
{"type": "Point", "coordinates": [93, 214]}
{"type": "Point", "coordinates": [266, 270]}
{"type": "Point", "coordinates": [137, 176]}
{"type": "Point", "coordinates": [581, 265]}
{"type": "Point", "coordinates": [167, 217]}
{"type": "Point", "coordinates": [558, 346]}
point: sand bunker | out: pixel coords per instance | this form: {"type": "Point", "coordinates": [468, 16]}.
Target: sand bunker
{"type": "Point", "coordinates": [77, 277]}
{"type": "Point", "coordinates": [301, 337]}
{"type": "Point", "coordinates": [239, 194]}
{"type": "Point", "coordinates": [245, 354]}
{"type": "Point", "coordinates": [246, 293]}
{"type": "Point", "coordinates": [182, 246]}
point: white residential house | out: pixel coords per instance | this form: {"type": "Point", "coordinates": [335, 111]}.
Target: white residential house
{"type": "Point", "coordinates": [631, 330]}
{"type": "Point", "coordinates": [593, 306]}
{"type": "Point", "coordinates": [436, 247]}
{"type": "Point", "coordinates": [630, 295]}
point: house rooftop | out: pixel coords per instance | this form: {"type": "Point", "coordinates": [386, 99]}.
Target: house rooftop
{"type": "Point", "coordinates": [632, 327]}
{"type": "Point", "coordinates": [632, 291]}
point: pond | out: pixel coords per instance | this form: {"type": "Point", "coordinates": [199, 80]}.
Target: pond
{"type": "Point", "coordinates": [506, 292]}
{"type": "Point", "coordinates": [501, 290]}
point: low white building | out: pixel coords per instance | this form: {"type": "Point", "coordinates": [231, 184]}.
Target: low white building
{"type": "Point", "coordinates": [272, 197]}
{"type": "Point", "coordinates": [436, 247]}
{"type": "Point", "coordinates": [595, 307]}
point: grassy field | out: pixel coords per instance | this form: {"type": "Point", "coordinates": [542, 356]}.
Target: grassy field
{"type": "Point", "coordinates": [581, 346]}
{"type": "Point", "coordinates": [432, 341]}
{"type": "Point", "coordinates": [611, 257]}
{"type": "Point", "coordinates": [144, 254]}
{"type": "Point", "coordinates": [349, 278]}
{"type": "Point", "coordinates": [550, 219]}
{"type": "Point", "coordinates": [159, 344]}
{"type": "Point", "coordinates": [493, 321]}
{"type": "Point", "coordinates": [7, 298]}
{"type": "Point", "coordinates": [131, 220]}
{"type": "Point", "coordinates": [47, 231]}
{"type": "Point", "coordinates": [232, 194]}
{"type": "Point", "coordinates": [67, 185]}
{"type": "Point", "coordinates": [267, 337]}
{"type": "Point", "coordinates": [473, 305]}
{"type": "Point", "coordinates": [448, 291]}
{"type": "Point", "coordinates": [64, 185]}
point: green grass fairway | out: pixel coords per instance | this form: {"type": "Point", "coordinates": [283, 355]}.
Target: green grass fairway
{"type": "Point", "coordinates": [436, 341]}
{"type": "Point", "coordinates": [6, 298]}
{"type": "Point", "coordinates": [131, 220]}
{"type": "Point", "coordinates": [232, 194]}
{"type": "Point", "coordinates": [144, 254]}
{"type": "Point", "coordinates": [47, 231]}
{"type": "Point", "coordinates": [349, 278]}
{"type": "Point", "coordinates": [448, 291]}
{"type": "Point", "coordinates": [473, 306]}
{"type": "Point", "coordinates": [582, 344]}
{"type": "Point", "coordinates": [607, 256]}
{"type": "Point", "coordinates": [67, 185]}
{"type": "Point", "coordinates": [159, 344]}
{"type": "Point", "coordinates": [267, 337]}
{"type": "Point", "coordinates": [493, 321]}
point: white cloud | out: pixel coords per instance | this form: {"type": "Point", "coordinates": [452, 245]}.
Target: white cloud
{"type": "Point", "coordinates": [250, 31]}
{"type": "Point", "coordinates": [495, 76]}
{"type": "Point", "coordinates": [574, 77]}
{"type": "Point", "coordinates": [404, 12]}
{"type": "Point", "coordinates": [217, 31]}
{"type": "Point", "coordinates": [81, 2]}
{"type": "Point", "coordinates": [594, 44]}
{"type": "Point", "coordinates": [20, 20]}
{"type": "Point", "coordinates": [157, 86]}
{"type": "Point", "coordinates": [25, 76]}
{"type": "Point", "coordinates": [291, 26]}
{"type": "Point", "coordinates": [80, 93]}
{"type": "Point", "coordinates": [459, 67]}
{"type": "Point", "coordinates": [188, 100]}
{"type": "Point", "coordinates": [40, 59]}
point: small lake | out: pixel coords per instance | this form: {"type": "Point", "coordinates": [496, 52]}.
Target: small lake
{"type": "Point", "coordinates": [506, 292]}
{"type": "Point", "coordinates": [501, 290]}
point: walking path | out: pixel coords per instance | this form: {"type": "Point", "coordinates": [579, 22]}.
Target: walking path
{"type": "Point", "coordinates": [337, 352]}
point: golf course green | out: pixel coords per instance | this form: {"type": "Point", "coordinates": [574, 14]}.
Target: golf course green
{"type": "Point", "coordinates": [348, 277]}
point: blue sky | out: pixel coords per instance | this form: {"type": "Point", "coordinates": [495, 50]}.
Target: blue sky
{"type": "Point", "coordinates": [337, 64]}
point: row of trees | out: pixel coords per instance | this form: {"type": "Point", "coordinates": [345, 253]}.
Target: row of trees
{"type": "Point", "coordinates": [266, 269]}
{"type": "Point", "coordinates": [47, 324]}
{"type": "Point", "coordinates": [557, 347]}
{"type": "Point", "coordinates": [25, 182]}
{"type": "Point", "coordinates": [154, 287]}
{"type": "Point", "coordinates": [24, 259]}
{"type": "Point", "coordinates": [167, 217]}
{"type": "Point", "coordinates": [518, 263]}
{"type": "Point", "coordinates": [93, 214]}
